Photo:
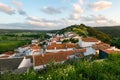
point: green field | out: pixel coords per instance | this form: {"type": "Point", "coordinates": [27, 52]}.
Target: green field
{"type": "Point", "coordinates": [11, 45]}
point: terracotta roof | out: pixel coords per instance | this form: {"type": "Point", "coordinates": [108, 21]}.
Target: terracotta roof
{"type": "Point", "coordinates": [4, 56]}
{"type": "Point", "coordinates": [79, 50]}
{"type": "Point", "coordinates": [108, 51]}
{"type": "Point", "coordinates": [48, 57]}
{"type": "Point", "coordinates": [60, 46]}
{"type": "Point", "coordinates": [9, 53]}
{"type": "Point", "coordinates": [101, 46]}
{"type": "Point", "coordinates": [32, 45]}
{"type": "Point", "coordinates": [89, 39]}
{"type": "Point", "coordinates": [55, 39]}
{"type": "Point", "coordinates": [24, 46]}
{"type": "Point", "coordinates": [35, 47]}
{"type": "Point", "coordinates": [70, 45]}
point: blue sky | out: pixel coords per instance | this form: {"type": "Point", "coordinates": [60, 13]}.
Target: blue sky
{"type": "Point", "coordinates": [57, 14]}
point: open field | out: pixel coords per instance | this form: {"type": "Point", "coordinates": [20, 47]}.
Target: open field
{"type": "Point", "coordinates": [11, 45]}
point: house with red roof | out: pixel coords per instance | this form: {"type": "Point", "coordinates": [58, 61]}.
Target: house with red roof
{"type": "Point", "coordinates": [60, 47]}
{"type": "Point", "coordinates": [8, 54]}
{"type": "Point", "coordinates": [33, 50]}
{"type": "Point", "coordinates": [100, 46]}
{"type": "Point", "coordinates": [105, 52]}
{"type": "Point", "coordinates": [22, 49]}
{"type": "Point", "coordinates": [40, 61]}
{"type": "Point", "coordinates": [88, 43]}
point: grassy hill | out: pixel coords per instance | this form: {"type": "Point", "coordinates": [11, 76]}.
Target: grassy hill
{"type": "Point", "coordinates": [113, 31]}
{"type": "Point", "coordinates": [108, 69]}
{"type": "Point", "coordinates": [83, 30]}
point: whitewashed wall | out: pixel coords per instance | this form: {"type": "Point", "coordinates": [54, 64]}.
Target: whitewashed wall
{"type": "Point", "coordinates": [89, 51]}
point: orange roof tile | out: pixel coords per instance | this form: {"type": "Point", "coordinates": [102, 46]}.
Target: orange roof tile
{"type": "Point", "coordinates": [55, 39]}
{"type": "Point", "coordinates": [32, 45]}
{"type": "Point", "coordinates": [9, 53]}
{"type": "Point", "coordinates": [101, 46]}
{"type": "Point", "coordinates": [4, 56]}
{"type": "Point", "coordinates": [35, 47]}
{"type": "Point", "coordinates": [48, 57]}
{"type": "Point", "coordinates": [79, 50]}
{"type": "Point", "coordinates": [24, 46]}
{"type": "Point", "coordinates": [70, 45]}
{"type": "Point", "coordinates": [111, 51]}
{"type": "Point", "coordinates": [60, 46]}
{"type": "Point", "coordinates": [90, 39]}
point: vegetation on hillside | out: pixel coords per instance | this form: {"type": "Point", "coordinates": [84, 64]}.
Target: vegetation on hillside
{"type": "Point", "coordinates": [85, 31]}
{"type": "Point", "coordinates": [116, 42]}
{"type": "Point", "coordinates": [107, 69]}
{"type": "Point", "coordinates": [114, 32]}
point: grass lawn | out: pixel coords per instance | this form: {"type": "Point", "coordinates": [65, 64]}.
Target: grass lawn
{"type": "Point", "coordinates": [10, 45]}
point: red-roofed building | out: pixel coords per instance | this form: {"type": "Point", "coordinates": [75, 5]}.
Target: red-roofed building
{"type": "Point", "coordinates": [100, 46]}
{"type": "Point", "coordinates": [105, 52]}
{"type": "Point", "coordinates": [8, 54]}
{"type": "Point", "coordinates": [4, 56]}
{"type": "Point", "coordinates": [87, 42]}
{"type": "Point", "coordinates": [60, 47]}
{"type": "Point", "coordinates": [41, 60]}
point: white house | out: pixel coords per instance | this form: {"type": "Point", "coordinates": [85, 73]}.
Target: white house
{"type": "Point", "coordinates": [33, 50]}
{"type": "Point", "coordinates": [89, 51]}
{"type": "Point", "coordinates": [87, 42]}
{"type": "Point", "coordinates": [25, 63]}
{"type": "Point", "coordinates": [22, 49]}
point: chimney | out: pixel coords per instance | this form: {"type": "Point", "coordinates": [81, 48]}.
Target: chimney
{"type": "Point", "coordinates": [43, 55]}
{"type": "Point", "coordinates": [54, 48]}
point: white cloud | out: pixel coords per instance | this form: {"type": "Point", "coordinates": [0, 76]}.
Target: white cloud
{"type": "Point", "coordinates": [74, 16]}
{"type": "Point", "coordinates": [51, 10]}
{"type": "Point", "coordinates": [6, 9]}
{"type": "Point", "coordinates": [19, 6]}
{"type": "Point", "coordinates": [98, 20]}
{"type": "Point", "coordinates": [33, 18]}
{"type": "Point", "coordinates": [77, 10]}
{"type": "Point", "coordinates": [41, 22]}
{"type": "Point", "coordinates": [100, 5]}
{"type": "Point", "coordinates": [81, 2]}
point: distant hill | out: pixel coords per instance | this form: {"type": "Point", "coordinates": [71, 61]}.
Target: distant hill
{"type": "Point", "coordinates": [114, 31]}
{"type": "Point", "coordinates": [85, 31]}
{"type": "Point", "coordinates": [21, 30]}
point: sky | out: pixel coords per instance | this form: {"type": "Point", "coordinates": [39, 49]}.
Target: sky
{"type": "Point", "coordinates": [58, 14]}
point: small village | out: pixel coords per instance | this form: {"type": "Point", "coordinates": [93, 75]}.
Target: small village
{"type": "Point", "coordinates": [39, 54]}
